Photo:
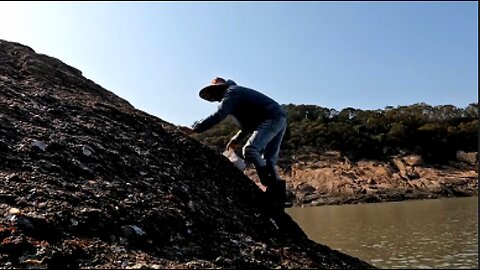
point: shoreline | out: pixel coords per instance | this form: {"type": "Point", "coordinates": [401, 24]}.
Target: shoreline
{"type": "Point", "coordinates": [349, 201]}
{"type": "Point", "coordinates": [331, 179]}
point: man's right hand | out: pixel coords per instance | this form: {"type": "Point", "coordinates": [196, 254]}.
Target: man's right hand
{"type": "Point", "coordinates": [232, 144]}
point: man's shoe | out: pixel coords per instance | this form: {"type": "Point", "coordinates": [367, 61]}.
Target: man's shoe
{"type": "Point", "coordinates": [265, 176]}
{"type": "Point", "coordinates": [277, 194]}
{"type": "Point", "coordinates": [280, 192]}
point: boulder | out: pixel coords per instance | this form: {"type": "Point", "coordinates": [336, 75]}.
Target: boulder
{"type": "Point", "coordinates": [467, 157]}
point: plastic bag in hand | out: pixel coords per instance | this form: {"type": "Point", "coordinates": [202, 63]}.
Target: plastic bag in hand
{"type": "Point", "coordinates": [235, 159]}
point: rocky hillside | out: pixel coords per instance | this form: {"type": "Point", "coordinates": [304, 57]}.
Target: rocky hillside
{"type": "Point", "coordinates": [333, 179]}
{"type": "Point", "coordinates": [88, 181]}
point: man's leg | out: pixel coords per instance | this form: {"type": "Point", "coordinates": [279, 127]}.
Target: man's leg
{"type": "Point", "coordinates": [273, 148]}
{"type": "Point", "coordinates": [256, 144]}
{"type": "Point", "coordinates": [278, 189]}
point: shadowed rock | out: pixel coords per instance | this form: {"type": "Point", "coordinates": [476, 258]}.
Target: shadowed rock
{"type": "Point", "coordinates": [88, 181]}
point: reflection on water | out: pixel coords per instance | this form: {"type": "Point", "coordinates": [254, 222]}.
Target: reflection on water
{"type": "Point", "coordinates": [439, 233]}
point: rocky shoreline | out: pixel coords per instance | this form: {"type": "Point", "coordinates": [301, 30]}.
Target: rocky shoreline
{"type": "Point", "coordinates": [332, 179]}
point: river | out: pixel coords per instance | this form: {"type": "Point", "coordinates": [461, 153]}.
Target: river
{"type": "Point", "coordinates": [439, 233]}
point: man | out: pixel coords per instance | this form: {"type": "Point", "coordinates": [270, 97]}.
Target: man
{"type": "Point", "coordinates": [257, 114]}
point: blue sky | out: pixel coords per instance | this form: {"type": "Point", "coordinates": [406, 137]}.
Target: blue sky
{"type": "Point", "coordinates": [157, 55]}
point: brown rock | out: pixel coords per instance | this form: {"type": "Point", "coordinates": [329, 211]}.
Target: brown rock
{"type": "Point", "coordinates": [413, 160]}
{"type": "Point", "coordinates": [467, 157]}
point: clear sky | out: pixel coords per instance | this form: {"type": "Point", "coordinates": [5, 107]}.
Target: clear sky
{"type": "Point", "coordinates": [157, 55]}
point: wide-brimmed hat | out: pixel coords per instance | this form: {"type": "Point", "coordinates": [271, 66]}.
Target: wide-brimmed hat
{"type": "Point", "coordinates": [217, 84]}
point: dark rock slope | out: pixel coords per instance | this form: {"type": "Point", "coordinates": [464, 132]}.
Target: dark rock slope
{"type": "Point", "coordinates": [88, 181]}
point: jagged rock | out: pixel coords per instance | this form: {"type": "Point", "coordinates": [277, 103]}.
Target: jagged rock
{"type": "Point", "coordinates": [400, 165]}
{"type": "Point", "coordinates": [311, 197]}
{"type": "Point", "coordinates": [305, 188]}
{"type": "Point", "coordinates": [103, 185]}
{"type": "Point", "coordinates": [413, 175]}
{"type": "Point", "coordinates": [87, 150]}
{"type": "Point", "coordinates": [40, 145]}
{"type": "Point", "coordinates": [468, 157]}
{"type": "Point", "coordinates": [14, 211]}
{"type": "Point", "coordinates": [413, 160]}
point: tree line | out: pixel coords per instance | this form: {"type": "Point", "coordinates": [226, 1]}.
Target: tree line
{"type": "Point", "coordinates": [434, 132]}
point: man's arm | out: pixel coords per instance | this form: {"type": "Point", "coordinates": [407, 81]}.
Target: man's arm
{"type": "Point", "coordinates": [224, 109]}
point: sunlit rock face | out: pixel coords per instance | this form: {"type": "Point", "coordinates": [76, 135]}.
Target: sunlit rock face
{"type": "Point", "coordinates": [88, 181]}
{"type": "Point", "coordinates": [333, 179]}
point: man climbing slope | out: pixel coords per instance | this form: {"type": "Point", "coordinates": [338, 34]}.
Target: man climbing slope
{"type": "Point", "coordinates": [255, 114]}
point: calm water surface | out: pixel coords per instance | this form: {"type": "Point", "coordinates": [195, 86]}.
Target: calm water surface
{"type": "Point", "coordinates": [441, 233]}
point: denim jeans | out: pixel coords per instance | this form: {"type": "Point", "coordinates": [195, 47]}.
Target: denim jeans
{"type": "Point", "coordinates": [266, 140]}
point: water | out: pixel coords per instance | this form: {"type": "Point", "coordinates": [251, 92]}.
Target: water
{"type": "Point", "coordinates": [416, 234]}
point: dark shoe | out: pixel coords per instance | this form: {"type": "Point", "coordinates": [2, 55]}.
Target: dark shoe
{"type": "Point", "coordinates": [266, 178]}
{"type": "Point", "coordinates": [281, 192]}
{"type": "Point", "coordinates": [277, 194]}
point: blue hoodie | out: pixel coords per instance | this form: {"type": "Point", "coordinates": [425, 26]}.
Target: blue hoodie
{"type": "Point", "coordinates": [248, 107]}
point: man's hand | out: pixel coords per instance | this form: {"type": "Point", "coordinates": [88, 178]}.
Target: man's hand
{"type": "Point", "coordinates": [232, 145]}
{"type": "Point", "coordinates": [186, 130]}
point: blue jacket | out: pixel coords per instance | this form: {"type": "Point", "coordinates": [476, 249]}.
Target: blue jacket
{"type": "Point", "coordinates": [248, 107]}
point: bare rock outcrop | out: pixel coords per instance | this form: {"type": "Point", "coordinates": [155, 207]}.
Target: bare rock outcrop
{"type": "Point", "coordinates": [338, 181]}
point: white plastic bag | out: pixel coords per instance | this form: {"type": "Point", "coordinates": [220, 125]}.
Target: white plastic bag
{"type": "Point", "coordinates": [235, 159]}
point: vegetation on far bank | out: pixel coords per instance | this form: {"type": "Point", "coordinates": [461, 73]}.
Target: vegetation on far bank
{"type": "Point", "coordinates": [434, 132]}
